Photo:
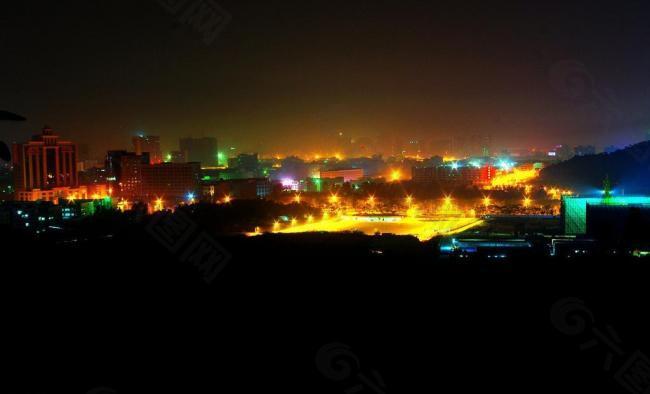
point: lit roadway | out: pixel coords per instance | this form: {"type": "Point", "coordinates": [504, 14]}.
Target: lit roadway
{"type": "Point", "coordinates": [422, 228]}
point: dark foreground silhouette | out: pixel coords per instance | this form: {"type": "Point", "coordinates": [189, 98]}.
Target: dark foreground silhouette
{"type": "Point", "coordinates": [308, 313]}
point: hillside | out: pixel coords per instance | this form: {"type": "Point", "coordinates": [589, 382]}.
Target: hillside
{"type": "Point", "coordinates": [628, 170]}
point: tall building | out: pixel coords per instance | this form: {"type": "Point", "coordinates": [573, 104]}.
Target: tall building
{"type": "Point", "coordinates": [45, 167]}
{"type": "Point", "coordinates": [200, 150]}
{"type": "Point", "coordinates": [148, 144]}
{"type": "Point", "coordinates": [173, 182]}
{"type": "Point", "coordinates": [120, 168]}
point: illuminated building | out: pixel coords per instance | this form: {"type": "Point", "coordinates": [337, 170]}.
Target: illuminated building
{"type": "Point", "coordinates": [128, 174]}
{"type": "Point", "coordinates": [241, 189]}
{"type": "Point", "coordinates": [454, 173]}
{"type": "Point", "coordinates": [348, 175]}
{"type": "Point", "coordinates": [575, 210]}
{"type": "Point", "coordinates": [118, 160]}
{"type": "Point", "coordinates": [200, 150]}
{"type": "Point", "coordinates": [45, 168]}
{"type": "Point", "coordinates": [170, 181]}
{"type": "Point", "coordinates": [148, 144]}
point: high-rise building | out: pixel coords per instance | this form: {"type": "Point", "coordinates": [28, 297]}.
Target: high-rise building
{"type": "Point", "coordinates": [173, 182]}
{"type": "Point", "coordinates": [45, 167]}
{"type": "Point", "coordinates": [148, 144]}
{"type": "Point", "coordinates": [115, 165]}
{"type": "Point", "coordinates": [200, 150]}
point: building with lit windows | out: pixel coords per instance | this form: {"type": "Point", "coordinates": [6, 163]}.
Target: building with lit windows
{"type": "Point", "coordinates": [148, 144]}
{"type": "Point", "coordinates": [173, 182]}
{"type": "Point", "coordinates": [468, 174]}
{"type": "Point", "coordinates": [45, 168]}
{"type": "Point", "coordinates": [244, 189]}
{"type": "Point", "coordinates": [582, 216]}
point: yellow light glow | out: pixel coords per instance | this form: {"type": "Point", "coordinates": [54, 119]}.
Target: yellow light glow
{"type": "Point", "coordinates": [334, 199]}
{"type": "Point", "coordinates": [487, 201]}
{"type": "Point", "coordinates": [227, 199]}
{"type": "Point", "coordinates": [310, 219]}
{"type": "Point", "coordinates": [395, 175]}
{"type": "Point", "coordinates": [527, 202]}
{"type": "Point", "coordinates": [423, 229]}
{"type": "Point", "coordinates": [516, 178]}
{"type": "Point", "coordinates": [412, 212]}
{"type": "Point", "coordinates": [294, 221]}
{"type": "Point", "coordinates": [297, 198]}
{"type": "Point", "coordinates": [371, 201]}
{"type": "Point", "coordinates": [276, 225]}
{"type": "Point", "coordinates": [123, 205]}
{"type": "Point", "coordinates": [409, 200]}
{"type": "Point", "coordinates": [159, 204]}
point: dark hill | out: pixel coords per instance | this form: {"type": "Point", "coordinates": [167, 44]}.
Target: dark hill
{"type": "Point", "coordinates": [628, 170]}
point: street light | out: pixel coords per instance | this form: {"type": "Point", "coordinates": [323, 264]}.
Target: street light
{"type": "Point", "coordinates": [487, 201]}
{"type": "Point", "coordinates": [527, 202]}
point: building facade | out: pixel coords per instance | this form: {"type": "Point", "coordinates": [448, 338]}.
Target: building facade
{"type": "Point", "coordinates": [45, 167]}
{"type": "Point", "coordinates": [148, 144]}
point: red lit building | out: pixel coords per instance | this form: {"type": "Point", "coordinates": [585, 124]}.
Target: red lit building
{"type": "Point", "coordinates": [172, 182]}
{"type": "Point", "coordinates": [45, 168]}
{"type": "Point", "coordinates": [462, 175]}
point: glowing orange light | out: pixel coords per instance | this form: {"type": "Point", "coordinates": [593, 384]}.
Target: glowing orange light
{"type": "Point", "coordinates": [395, 175]}
{"type": "Point", "coordinates": [297, 198]}
{"type": "Point", "coordinates": [487, 201]}
{"type": "Point", "coordinates": [227, 199]}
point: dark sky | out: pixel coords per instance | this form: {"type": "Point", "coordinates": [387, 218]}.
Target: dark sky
{"type": "Point", "coordinates": [285, 76]}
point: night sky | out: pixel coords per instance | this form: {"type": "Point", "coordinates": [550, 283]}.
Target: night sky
{"type": "Point", "coordinates": [285, 76]}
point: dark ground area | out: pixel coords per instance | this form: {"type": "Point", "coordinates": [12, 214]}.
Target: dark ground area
{"type": "Point", "coordinates": [128, 314]}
